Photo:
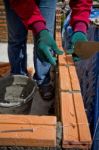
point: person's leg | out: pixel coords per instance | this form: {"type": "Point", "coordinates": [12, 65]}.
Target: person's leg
{"type": "Point", "coordinates": [42, 69]}
{"type": "Point", "coordinates": [17, 38]}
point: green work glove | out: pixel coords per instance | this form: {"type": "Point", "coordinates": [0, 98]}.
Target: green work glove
{"type": "Point", "coordinates": [45, 44]}
{"type": "Point", "coordinates": [77, 37]}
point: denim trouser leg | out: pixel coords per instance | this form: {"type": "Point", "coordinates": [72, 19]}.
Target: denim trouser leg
{"type": "Point", "coordinates": [17, 37]}
{"type": "Point", "coordinates": [42, 69]}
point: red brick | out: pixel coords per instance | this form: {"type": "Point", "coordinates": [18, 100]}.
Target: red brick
{"type": "Point", "coordinates": [41, 131]}
{"type": "Point", "coordinates": [74, 78]}
{"type": "Point", "coordinates": [64, 78]}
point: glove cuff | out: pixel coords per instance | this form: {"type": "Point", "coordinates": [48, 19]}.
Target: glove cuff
{"type": "Point", "coordinates": [38, 27]}
{"type": "Point", "coordinates": [80, 27]}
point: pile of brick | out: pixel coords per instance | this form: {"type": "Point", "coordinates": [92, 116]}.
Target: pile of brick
{"type": "Point", "coordinates": [4, 69]}
{"type": "Point", "coordinates": [3, 26]}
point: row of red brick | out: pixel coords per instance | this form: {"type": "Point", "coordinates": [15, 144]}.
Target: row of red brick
{"type": "Point", "coordinates": [76, 131]}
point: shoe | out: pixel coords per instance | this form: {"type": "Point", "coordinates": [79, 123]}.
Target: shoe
{"type": "Point", "coordinates": [47, 92]}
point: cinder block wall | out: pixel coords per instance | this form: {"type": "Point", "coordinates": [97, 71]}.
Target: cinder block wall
{"type": "Point", "coordinates": [3, 25]}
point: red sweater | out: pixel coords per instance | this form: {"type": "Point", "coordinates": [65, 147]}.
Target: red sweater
{"type": "Point", "coordinates": [29, 13]}
{"type": "Point", "coordinates": [80, 14]}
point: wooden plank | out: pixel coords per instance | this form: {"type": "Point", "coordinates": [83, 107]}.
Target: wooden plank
{"type": "Point", "coordinates": [27, 131]}
{"type": "Point", "coordinates": [84, 132]}
{"type": "Point", "coordinates": [64, 79]}
{"type": "Point", "coordinates": [74, 79]}
{"type": "Point", "coordinates": [23, 119]}
{"type": "Point", "coordinates": [68, 118]}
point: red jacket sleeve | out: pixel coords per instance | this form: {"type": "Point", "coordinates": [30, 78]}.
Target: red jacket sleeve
{"type": "Point", "coordinates": [80, 11]}
{"type": "Point", "coordinates": [28, 11]}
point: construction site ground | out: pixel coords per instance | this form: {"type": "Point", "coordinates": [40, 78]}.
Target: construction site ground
{"type": "Point", "coordinates": [64, 126]}
{"type": "Point", "coordinates": [73, 131]}
{"type": "Point", "coordinates": [45, 106]}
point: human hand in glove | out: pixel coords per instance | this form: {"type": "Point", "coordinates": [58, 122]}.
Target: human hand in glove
{"type": "Point", "coordinates": [78, 37]}
{"type": "Point", "coordinates": [44, 45]}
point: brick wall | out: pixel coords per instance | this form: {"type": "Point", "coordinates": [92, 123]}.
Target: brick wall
{"type": "Point", "coordinates": [3, 28]}
{"type": "Point", "coordinates": [3, 25]}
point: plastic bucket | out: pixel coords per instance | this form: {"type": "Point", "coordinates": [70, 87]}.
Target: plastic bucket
{"type": "Point", "coordinates": [16, 94]}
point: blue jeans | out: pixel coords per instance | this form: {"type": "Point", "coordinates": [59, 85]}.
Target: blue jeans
{"type": "Point", "coordinates": [17, 40]}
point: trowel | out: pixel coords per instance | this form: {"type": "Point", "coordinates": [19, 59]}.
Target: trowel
{"type": "Point", "coordinates": [85, 50]}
